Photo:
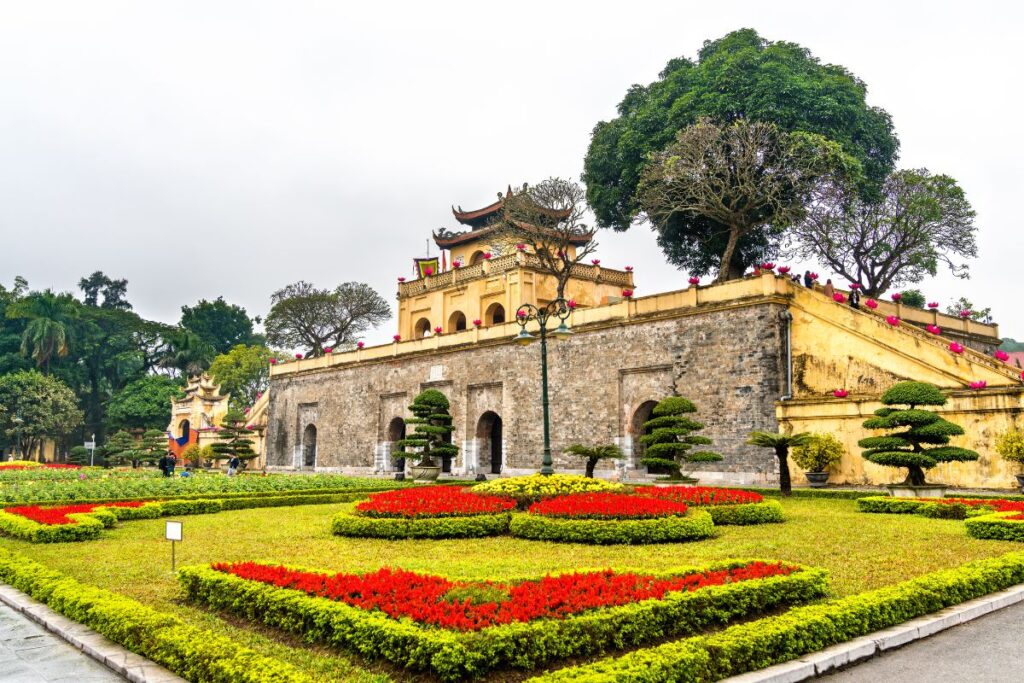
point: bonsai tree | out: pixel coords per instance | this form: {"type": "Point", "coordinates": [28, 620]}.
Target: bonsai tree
{"type": "Point", "coordinates": [432, 428]}
{"type": "Point", "coordinates": [121, 448]}
{"type": "Point", "coordinates": [594, 453]}
{"type": "Point", "coordinates": [78, 455]}
{"type": "Point", "coordinates": [818, 453]}
{"type": "Point", "coordinates": [670, 437]}
{"type": "Point", "coordinates": [152, 447]}
{"type": "Point", "coordinates": [780, 443]}
{"type": "Point", "coordinates": [235, 439]}
{"type": "Point", "coordinates": [922, 442]}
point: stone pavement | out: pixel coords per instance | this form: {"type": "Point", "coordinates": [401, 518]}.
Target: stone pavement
{"type": "Point", "coordinates": [31, 654]}
{"type": "Point", "coordinates": [985, 650]}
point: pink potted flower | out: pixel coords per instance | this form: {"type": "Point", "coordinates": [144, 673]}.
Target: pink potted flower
{"type": "Point", "coordinates": [520, 314]}
{"type": "Point", "coordinates": [979, 385]}
{"type": "Point", "coordinates": [570, 304]}
{"type": "Point", "coordinates": [478, 322]}
{"type": "Point", "coordinates": [328, 349]}
{"type": "Point", "coordinates": [934, 329]}
{"type": "Point", "coordinates": [249, 426]}
{"type": "Point", "coordinates": [1001, 355]}
{"type": "Point", "coordinates": [401, 279]}
{"type": "Point", "coordinates": [627, 293]}
{"type": "Point", "coordinates": [871, 303]}
{"type": "Point", "coordinates": [487, 256]}
{"type": "Point", "coordinates": [456, 264]}
{"type": "Point", "coordinates": [933, 304]}
{"type": "Point", "coordinates": [784, 269]}
{"type": "Point", "coordinates": [397, 337]}
{"type": "Point", "coordinates": [767, 266]}
{"type": "Point", "coordinates": [814, 277]}
{"type": "Point", "coordinates": [892, 320]}
{"type": "Point", "coordinates": [272, 361]}
{"type": "Point", "coordinates": [595, 261]}
{"type": "Point", "coordinates": [628, 269]}
{"type": "Point", "coordinates": [854, 285]}
{"type": "Point", "coordinates": [247, 411]}
{"type": "Point", "coordinates": [360, 344]}
{"type": "Point", "coordinates": [839, 298]}
{"type": "Point", "coordinates": [956, 348]}
{"type": "Point", "coordinates": [438, 330]}
{"type": "Point", "coordinates": [259, 396]}
{"type": "Point", "coordinates": [427, 271]}
{"type": "Point", "coordinates": [694, 280]}
{"type": "Point", "coordinates": [896, 296]}
{"type": "Point", "coordinates": [298, 356]}
{"type": "Point", "coordinates": [840, 393]}
{"type": "Point", "coordinates": [520, 247]}
{"type": "Point", "coordinates": [965, 314]}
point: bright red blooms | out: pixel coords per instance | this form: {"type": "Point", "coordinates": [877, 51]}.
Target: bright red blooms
{"type": "Point", "coordinates": [600, 505]}
{"type": "Point", "coordinates": [432, 501]}
{"type": "Point", "coordinates": [425, 598]}
{"type": "Point", "coordinates": [59, 515]}
{"type": "Point", "coordinates": [997, 504]}
{"type": "Point", "coordinates": [702, 495]}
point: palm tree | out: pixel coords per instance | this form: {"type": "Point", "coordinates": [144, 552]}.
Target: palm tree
{"type": "Point", "coordinates": [188, 353]}
{"type": "Point", "coordinates": [49, 331]}
{"type": "Point", "coordinates": [781, 443]}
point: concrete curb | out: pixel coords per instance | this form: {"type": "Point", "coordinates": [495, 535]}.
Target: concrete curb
{"type": "Point", "coordinates": [131, 666]}
{"type": "Point", "coordinates": [863, 648]}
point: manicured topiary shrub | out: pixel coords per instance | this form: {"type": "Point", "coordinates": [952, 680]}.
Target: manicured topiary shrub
{"type": "Point", "coordinates": [922, 440]}
{"type": "Point", "coordinates": [234, 438]}
{"type": "Point", "coordinates": [432, 428]}
{"type": "Point", "coordinates": [818, 453]}
{"type": "Point", "coordinates": [529, 489]}
{"type": "Point", "coordinates": [670, 438]}
{"type": "Point", "coordinates": [346, 523]}
{"type": "Point", "coordinates": [769, 512]}
{"type": "Point", "coordinates": [695, 525]}
{"type": "Point", "coordinates": [999, 526]}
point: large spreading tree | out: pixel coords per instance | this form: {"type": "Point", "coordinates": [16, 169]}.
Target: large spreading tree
{"type": "Point", "coordinates": [305, 317]}
{"type": "Point", "coordinates": [219, 324]}
{"type": "Point", "coordinates": [36, 408]}
{"type": "Point", "coordinates": [143, 404]}
{"type": "Point", "coordinates": [740, 76]}
{"type": "Point", "coordinates": [921, 222]}
{"type": "Point", "coordinates": [243, 372]}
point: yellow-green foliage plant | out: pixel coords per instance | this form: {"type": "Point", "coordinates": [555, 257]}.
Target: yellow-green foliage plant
{"type": "Point", "coordinates": [818, 453]}
{"type": "Point", "coordinates": [530, 489]}
{"type": "Point", "coordinates": [1010, 446]}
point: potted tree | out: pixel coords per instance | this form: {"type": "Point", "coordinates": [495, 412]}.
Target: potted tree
{"type": "Point", "coordinates": [669, 439]}
{"type": "Point", "coordinates": [780, 443]}
{"type": "Point", "coordinates": [432, 428]}
{"type": "Point", "coordinates": [594, 453]}
{"type": "Point", "coordinates": [816, 455]}
{"type": "Point", "coordinates": [1010, 445]}
{"type": "Point", "coordinates": [921, 441]}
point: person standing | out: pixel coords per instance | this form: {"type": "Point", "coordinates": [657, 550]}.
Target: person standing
{"type": "Point", "coordinates": [171, 462]}
{"type": "Point", "coordinates": [808, 280]}
{"type": "Point", "coordinates": [162, 464]}
{"type": "Point", "coordinates": [829, 290]}
{"type": "Point", "coordinates": [233, 464]}
{"type": "Point", "coordinates": [854, 297]}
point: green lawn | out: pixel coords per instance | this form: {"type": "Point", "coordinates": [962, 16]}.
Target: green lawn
{"type": "Point", "coordinates": [861, 551]}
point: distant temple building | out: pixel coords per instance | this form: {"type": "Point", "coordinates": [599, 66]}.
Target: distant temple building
{"type": "Point", "coordinates": [196, 417]}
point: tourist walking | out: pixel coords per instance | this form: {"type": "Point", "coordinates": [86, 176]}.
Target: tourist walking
{"type": "Point", "coordinates": [162, 464]}
{"type": "Point", "coordinates": [171, 462]}
{"type": "Point", "coordinates": [829, 290]}
{"type": "Point", "coordinates": [233, 464]}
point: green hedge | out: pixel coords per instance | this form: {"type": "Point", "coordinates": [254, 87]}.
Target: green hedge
{"type": "Point", "coordinates": [802, 630]}
{"type": "Point", "coordinates": [696, 525]}
{"type": "Point", "coordinates": [192, 653]}
{"type": "Point", "coordinates": [346, 523]}
{"type": "Point", "coordinates": [453, 655]}
{"type": "Point", "coordinates": [904, 506]}
{"type": "Point", "coordinates": [996, 526]}
{"type": "Point", "coordinates": [768, 512]}
{"type": "Point", "coordinates": [226, 495]}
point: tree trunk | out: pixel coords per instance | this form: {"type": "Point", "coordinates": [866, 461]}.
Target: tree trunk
{"type": "Point", "coordinates": [915, 476]}
{"type": "Point", "coordinates": [591, 464]}
{"type": "Point", "coordinates": [785, 483]}
{"type": "Point", "coordinates": [725, 267]}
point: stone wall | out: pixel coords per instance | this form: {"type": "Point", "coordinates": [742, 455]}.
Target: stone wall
{"type": "Point", "coordinates": [727, 358]}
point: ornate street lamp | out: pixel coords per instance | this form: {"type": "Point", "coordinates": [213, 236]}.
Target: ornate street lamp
{"type": "Point", "coordinates": [558, 309]}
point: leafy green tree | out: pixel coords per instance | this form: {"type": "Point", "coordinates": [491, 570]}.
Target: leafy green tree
{"type": "Point", "coordinates": [669, 437]}
{"type": "Point", "coordinates": [11, 329]}
{"type": "Point", "coordinates": [36, 407]}
{"type": "Point", "coordinates": [740, 178]}
{"type": "Point", "coordinates": [78, 455]}
{"type": "Point", "coordinates": [142, 404]}
{"type": "Point", "coordinates": [121, 448]}
{"type": "Point", "coordinates": [303, 316]}
{"type": "Point", "coordinates": [152, 446]}
{"type": "Point", "coordinates": [244, 372]}
{"type": "Point", "coordinates": [48, 334]}
{"type": "Point", "coordinates": [594, 453]}
{"type": "Point", "coordinates": [780, 443]}
{"type": "Point", "coordinates": [923, 440]}
{"type": "Point", "coordinates": [432, 428]}
{"type": "Point", "coordinates": [913, 297]}
{"type": "Point", "coordinates": [235, 438]}
{"type": "Point", "coordinates": [920, 222]}
{"type": "Point", "coordinates": [112, 291]}
{"type": "Point", "coordinates": [964, 304]}
{"type": "Point", "coordinates": [738, 76]}
{"type": "Point", "coordinates": [218, 323]}
{"type": "Point", "coordinates": [188, 353]}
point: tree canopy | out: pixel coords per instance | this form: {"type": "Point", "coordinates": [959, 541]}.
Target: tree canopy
{"type": "Point", "coordinates": [36, 408]}
{"type": "Point", "coordinates": [305, 317]}
{"type": "Point", "coordinates": [219, 324]}
{"type": "Point", "coordinates": [143, 404]}
{"type": "Point", "coordinates": [244, 372]}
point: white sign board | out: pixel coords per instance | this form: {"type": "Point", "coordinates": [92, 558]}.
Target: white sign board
{"type": "Point", "coordinates": [90, 445]}
{"type": "Point", "coordinates": [173, 531]}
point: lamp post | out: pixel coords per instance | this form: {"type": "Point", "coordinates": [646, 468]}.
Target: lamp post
{"type": "Point", "coordinates": [558, 309]}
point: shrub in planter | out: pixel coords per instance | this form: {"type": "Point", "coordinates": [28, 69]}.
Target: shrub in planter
{"type": "Point", "coordinates": [670, 439]}
{"type": "Point", "coordinates": [595, 453]}
{"type": "Point", "coordinates": [432, 428]}
{"type": "Point", "coordinates": [530, 489]}
{"type": "Point", "coordinates": [819, 453]}
{"type": "Point", "coordinates": [923, 437]}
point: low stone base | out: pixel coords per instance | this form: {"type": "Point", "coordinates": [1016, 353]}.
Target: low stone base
{"type": "Point", "coordinates": [908, 491]}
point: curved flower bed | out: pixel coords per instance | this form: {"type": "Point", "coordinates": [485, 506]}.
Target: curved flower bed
{"type": "Point", "coordinates": [732, 507]}
{"type": "Point", "coordinates": [17, 465]}
{"type": "Point", "coordinates": [607, 506]}
{"type": "Point", "coordinates": [943, 508]}
{"type": "Point", "coordinates": [535, 487]}
{"type": "Point", "coordinates": [1000, 526]}
{"type": "Point", "coordinates": [61, 514]}
{"type": "Point", "coordinates": [432, 501]}
{"type": "Point", "coordinates": [695, 525]}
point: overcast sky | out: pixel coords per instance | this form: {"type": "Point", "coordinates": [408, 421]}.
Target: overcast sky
{"type": "Point", "coordinates": [215, 148]}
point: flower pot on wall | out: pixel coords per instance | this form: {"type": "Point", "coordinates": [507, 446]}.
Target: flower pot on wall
{"type": "Point", "coordinates": [425, 472]}
{"type": "Point", "coordinates": [817, 480]}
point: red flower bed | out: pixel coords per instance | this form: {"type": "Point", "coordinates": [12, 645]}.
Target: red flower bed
{"type": "Point", "coordinates": [997, 504]}
{"type": "Point", "coordinates": [59, 515]}
{"type": "Point", "coordinates": [433, 600]}
{"type": "Point", "coordinates": [599, 505]}
{"type": "Point", "coordinates": [703, 495]}
{"type": "Point", "coordinates": [432, 501]}
{"type": "Point", "coordinates": [1019, 517]}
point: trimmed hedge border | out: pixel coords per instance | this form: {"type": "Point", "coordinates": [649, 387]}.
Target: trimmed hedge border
{"type": "Point", "coordinates": [907, 506]}
{"type": "Point", "coordinates": [347, 523]}
{"type": "Point", "coordinates": [454, 655]}
{"type": "Point", "coordinates": [802, 630]}
{"type": "Point", "coordinates": [697, 524]}
{"type": "Point", "coordinates": [362, 493]}
{"type": "Point", "coordinates": [996, 526]}
{"type": "Point", "coordinates": [768, 512]}
{"type": "Point", "coordinates": [90, 524]}
{"type": "Point", "coordinates": [192, 653]}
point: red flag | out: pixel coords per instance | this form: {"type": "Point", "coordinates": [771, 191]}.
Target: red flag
{"type": "Point", "coordinates": [444, 262]}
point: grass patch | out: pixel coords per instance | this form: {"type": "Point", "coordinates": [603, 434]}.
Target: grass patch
{"type": "Point", "coordinates": [861, 552]}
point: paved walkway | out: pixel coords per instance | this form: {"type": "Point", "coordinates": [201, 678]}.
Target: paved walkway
{"type": "Point", "coordinates": [985, 650]}
{"type": "Point", "coordinates": [31, 654]}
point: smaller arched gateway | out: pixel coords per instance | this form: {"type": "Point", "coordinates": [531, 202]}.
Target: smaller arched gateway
{"type": "Point", "coordinates": [309, 446]}
{"type": "Point", "coordinates": [184, 430]}
{"type": "Point", "coordinates": [636, 429]}
{"type": "Point", "coordinates": [421, 329]}
{"type": "Point", "coordinates": [494, 315]}
{"type": "Point", "coordinates": [490, 454]}
{"type": "Point", "coordinates": [396, 432]}
{"type": "Point", "coordinates": [457, 322]}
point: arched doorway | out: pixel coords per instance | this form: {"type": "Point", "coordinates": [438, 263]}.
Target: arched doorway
{"type": "Point", "coordinates": [396, 432]}
{"type": "Point", "coordinates": [636, 428]}
{"type": "Point", "coordinates": [184, 430]}
{"type": "Point", "coordinates": [495, 314]}
{"type": "Point", "coordinates": [457, 322]}
{"type": "Point", "coordinates": [421, 329]}
{"type": "Point", "coordinates": [488, 434]}
{"type": "Point", "coordinates": [309, 446]}
{"type": "Point", "coordinates": [477, 257]}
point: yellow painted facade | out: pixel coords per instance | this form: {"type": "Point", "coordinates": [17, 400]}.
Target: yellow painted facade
{"type": "Point", "coordinates": [203, 409]}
